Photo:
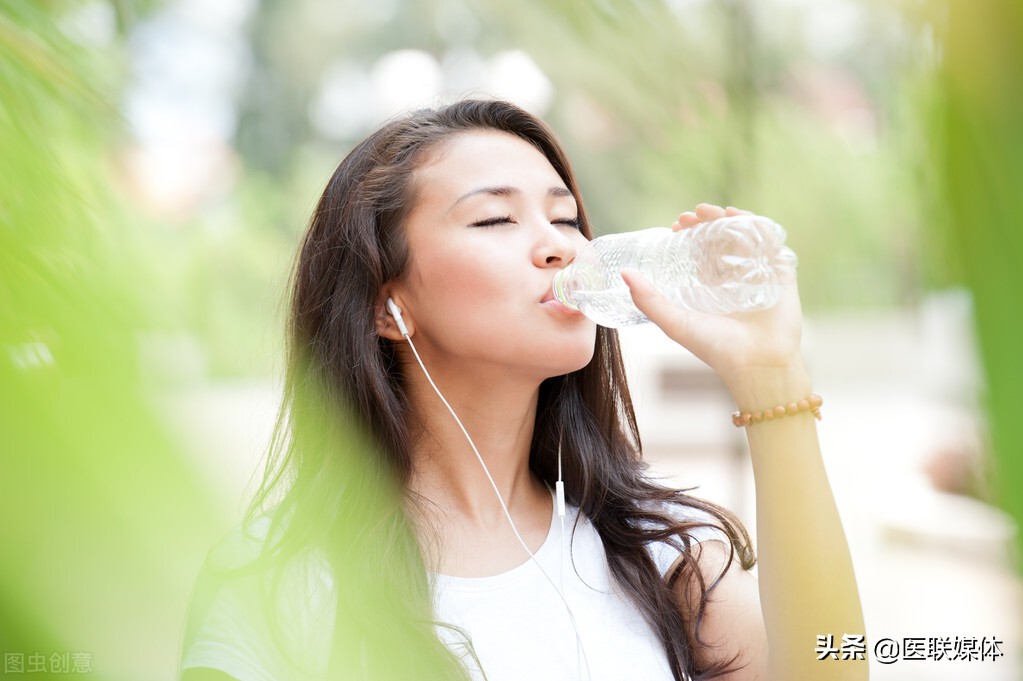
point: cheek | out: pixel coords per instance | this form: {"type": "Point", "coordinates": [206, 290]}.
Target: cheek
{"type": "Point", "coordinates": [458, 281]}
{"type": "Point", "coordinates": [453, 293]}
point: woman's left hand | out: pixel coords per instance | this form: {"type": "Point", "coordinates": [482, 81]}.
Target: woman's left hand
{"type": "Point", "coordinates": [745, 349]}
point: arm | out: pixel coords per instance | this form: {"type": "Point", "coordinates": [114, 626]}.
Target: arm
{"type": "Point", "coordinates": [807, 585]}
{"type": "Point", "coordinates": [806, 582]}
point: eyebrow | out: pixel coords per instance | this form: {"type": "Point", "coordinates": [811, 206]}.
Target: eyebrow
{"type": "Point", "coordinates": [556, 192]}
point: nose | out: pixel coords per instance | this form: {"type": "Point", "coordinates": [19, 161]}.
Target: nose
{"type": "Point", "coordinates": [554, 247]}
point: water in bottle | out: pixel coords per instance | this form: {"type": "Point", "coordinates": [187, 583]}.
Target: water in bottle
{"type": "Point", "coordinates": [732, 264]}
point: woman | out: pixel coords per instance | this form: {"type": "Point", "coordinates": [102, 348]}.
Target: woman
{"type": "Point", "coordinates": [377, 547]}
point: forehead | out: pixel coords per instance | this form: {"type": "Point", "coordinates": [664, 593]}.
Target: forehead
{"type": "Point", "coordinates": [484, 158]}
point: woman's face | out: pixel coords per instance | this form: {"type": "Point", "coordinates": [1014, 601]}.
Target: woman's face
{"type": "Point", "coordinates": [492, 224]}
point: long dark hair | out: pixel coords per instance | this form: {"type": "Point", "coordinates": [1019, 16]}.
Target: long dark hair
{"type": "Point", "coordinates": [341, 452]}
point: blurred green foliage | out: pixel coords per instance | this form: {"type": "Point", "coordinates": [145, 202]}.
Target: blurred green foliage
{"type": "Point", "coordinates": [661, 105]}
{"type": "Point", "coordinates": [101, 512]}
{"type": "Point", "coordinates": [979, 150]}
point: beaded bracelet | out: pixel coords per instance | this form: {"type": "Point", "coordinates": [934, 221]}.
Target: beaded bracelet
{"type": "Point", "coordinates": [810, 403]}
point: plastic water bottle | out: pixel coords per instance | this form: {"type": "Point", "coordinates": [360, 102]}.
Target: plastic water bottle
{"type": "Point", "coordinates": [732, 264]}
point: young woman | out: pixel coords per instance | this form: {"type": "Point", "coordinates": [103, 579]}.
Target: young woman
{"type": "Point", "coordinates": [380, 545]}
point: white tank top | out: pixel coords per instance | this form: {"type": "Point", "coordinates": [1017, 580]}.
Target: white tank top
{"type": "Point", "coordinates": [519, 628]}
{"type": "Point", "coordinates": [512, 626]}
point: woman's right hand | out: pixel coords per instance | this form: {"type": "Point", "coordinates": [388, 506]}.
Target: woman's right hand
{"type": "Point", "coordinates": [757, 354]}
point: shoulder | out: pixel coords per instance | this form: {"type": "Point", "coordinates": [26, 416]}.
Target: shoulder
{"type": "Point", "coordinates": [732, 624]}
{"type": "Point", "coordinates": [718, 595]}
{"type": "Point", "coordinates": [700, 526]}
{"type": "Point", "coordinates": [259, 619]}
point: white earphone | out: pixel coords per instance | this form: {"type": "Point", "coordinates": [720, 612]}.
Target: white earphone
{"type": "Point", "coordinates": [395, 312]}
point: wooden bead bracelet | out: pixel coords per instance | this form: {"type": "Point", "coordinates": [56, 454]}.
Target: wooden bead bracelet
{"type": "Point", "coordinates": [810, 403]}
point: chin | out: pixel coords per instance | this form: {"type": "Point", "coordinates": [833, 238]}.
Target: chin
{"type": "Point", "coordinates": [570, 358]}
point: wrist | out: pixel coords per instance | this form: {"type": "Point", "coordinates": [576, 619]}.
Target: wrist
{"type": "Point", "coordinates": [765, 387]}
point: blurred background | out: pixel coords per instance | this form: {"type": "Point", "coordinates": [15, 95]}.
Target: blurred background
{"type": "Point", "coordinates": [159, 161]}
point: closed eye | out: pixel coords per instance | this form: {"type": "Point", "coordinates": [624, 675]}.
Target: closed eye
{"type": "Point", "coordinates": [490, 222]}
{"type": "Point", "coordinates": [575, 222]}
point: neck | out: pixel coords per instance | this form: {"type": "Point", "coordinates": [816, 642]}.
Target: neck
{"type": "Point", "coordinates": [498, 412]}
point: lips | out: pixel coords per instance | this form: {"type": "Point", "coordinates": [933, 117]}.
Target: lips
{"type": "Point", "coordinates": [552, 303]}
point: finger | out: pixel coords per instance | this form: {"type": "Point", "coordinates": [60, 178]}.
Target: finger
{"type": "Point", "coordinates": [649, 301]}
{"type": "Point", "coordinates": [686, 220]}
{"type": "Point", "coordinates": [732, 210]}
{"type": "Point", "coordinates": [708, 211]}
{"type": "Point", "coordinates": [673, 320]}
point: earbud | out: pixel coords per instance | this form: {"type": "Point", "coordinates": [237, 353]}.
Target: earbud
{"type": "Point", "coordinates": [395, 312]}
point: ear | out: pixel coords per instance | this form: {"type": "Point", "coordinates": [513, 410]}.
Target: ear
{"type": "Point", "coordinates": [385, 324]}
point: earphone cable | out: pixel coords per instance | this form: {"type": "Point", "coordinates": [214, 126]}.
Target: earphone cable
{"type": "Point", "coordinates": [581, 652]}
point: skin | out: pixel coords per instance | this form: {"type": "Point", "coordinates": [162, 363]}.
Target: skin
{"type": "Point", "coordinates": [473, 301]}
{"type": "Point", "coordinates": [806, 582]}
{"type": "Point", "coordinates": [485, 241]}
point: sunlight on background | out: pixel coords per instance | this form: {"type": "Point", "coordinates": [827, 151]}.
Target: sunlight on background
{"type": "Point", "coordinates": [159, 161]}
